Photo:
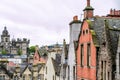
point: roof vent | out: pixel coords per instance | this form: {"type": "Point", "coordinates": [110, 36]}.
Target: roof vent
{"type": "Point", "coordinates": [114, 13]}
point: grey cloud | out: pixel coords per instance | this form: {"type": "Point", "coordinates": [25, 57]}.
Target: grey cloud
{"type": "Point", "coordinates": [44, 21]}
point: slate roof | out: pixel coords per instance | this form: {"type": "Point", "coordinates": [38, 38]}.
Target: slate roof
{"type": "Point", "coordinates": [56, 67]}
{"type": "Point", "coordinates": [112, 26]}
{"type": "Point", "coordinates": [105, 30]}
{"type": "Point", "coordinates": [2, 67]}
{"type": "Point", "coordinates": [40, 67]}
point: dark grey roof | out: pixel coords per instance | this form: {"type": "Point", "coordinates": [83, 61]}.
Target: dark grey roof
{"type": "Point", "coordinates": [56, 67]}
{"type": "Point", "coordinates": [40, 67]}
{"type": "Point", "coordinates": [3, 67]}
{"type": "Point", "coordinates": [112, 26]}
{"type": "Point", "coordinates": [24, 67]}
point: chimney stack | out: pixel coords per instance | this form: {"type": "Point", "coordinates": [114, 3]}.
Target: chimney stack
{"type": "Point", "coordinates": [75, 18]}
{"type": "Point", "coordinates": [118, 12]}
{"type": "Point", "coordinates": [114, 13]}
{"type": "Point", "coordinates": [88, 2]}
{"type": "Point", "coordinates": [88, 11]}
{"type": "Point", "coordinates": [111, 11]}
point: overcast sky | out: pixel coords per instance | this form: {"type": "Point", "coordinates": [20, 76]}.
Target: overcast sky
{"type": "Point", "coordinates": [46, 22]}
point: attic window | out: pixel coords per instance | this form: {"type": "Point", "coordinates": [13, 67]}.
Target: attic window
{"type": "Point", "coordinates": [87, 31]}
{"type": "Point", "coordinates": [35, 58]}
{"type": "Point", "coordinates": [83, 32]}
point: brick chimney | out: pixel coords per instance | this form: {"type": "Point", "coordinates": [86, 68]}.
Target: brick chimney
{"type": "Point", "coordinates": [88, 2]}
{"type": "Point", "coordinates": [75, 18]}
{"type": "Point", "coordinates": [114, 13]}
{"type": "Point", "coordinates": [88, 11]}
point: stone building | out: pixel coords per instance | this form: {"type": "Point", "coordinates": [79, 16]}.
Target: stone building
{"type": "Point", "coordinates": [64, 65]}
{"type": "Point", "coordinates": [98, 46]}
{"type": "Point", "coordinates": [4, 73]}
{"type": "Point", "coordinates": [33, 70]}
{"type": "Point", "coordinates": [118, 61]}
{"type": "Point", "coordinates": [14, 46]}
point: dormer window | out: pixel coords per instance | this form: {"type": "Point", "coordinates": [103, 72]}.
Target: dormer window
{"type": "Point", "coordinates": [87, 31]}
{"type": "Point", "coordinates": [83, 32]}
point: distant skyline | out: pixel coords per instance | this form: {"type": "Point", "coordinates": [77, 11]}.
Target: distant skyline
{"type": "Point", "coordinates": [46, 22]}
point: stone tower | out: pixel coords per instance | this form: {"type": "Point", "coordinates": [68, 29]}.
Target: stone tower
{"type": "Point", "coordinates": [5, 39]}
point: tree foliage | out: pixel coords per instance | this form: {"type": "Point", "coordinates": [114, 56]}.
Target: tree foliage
{"type": "Point", "coordinates": [19, 52]}
{"type": "Point", "coordinates": [4, 51]}
{"type": "Point", "coordinates": [32, 49]}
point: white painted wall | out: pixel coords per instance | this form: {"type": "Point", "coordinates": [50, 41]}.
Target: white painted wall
{"type": "Point", "coordinates": [74, 33]}
{"type": "Point", "coordinates": [50, 68]}
{"type": "Point", "coordinates": [118, 61]}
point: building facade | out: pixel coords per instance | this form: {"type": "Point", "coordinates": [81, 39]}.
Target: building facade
{"type": "Point", "coordinates": [86, 54]}
{"type": "Point", "coordinates": [118, 61]}
{"type": "Point", "coordinates": [86, 50]}
{"type": "Point", "coordinates": [74, 33]}
{"type": "Point", "coordinates": [14, 46]}
{"type": "Point", "coordinates": [98, 46]}
{"type": "Point", "coordinates": [64, 57]}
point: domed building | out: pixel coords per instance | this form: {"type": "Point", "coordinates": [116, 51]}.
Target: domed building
{"type": "Point", "coordinates": [14, 46]}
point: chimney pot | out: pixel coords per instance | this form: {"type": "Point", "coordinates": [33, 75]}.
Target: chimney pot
{"type": "Point", "coordinates": [111, 11]}
{"type": "Point", "coordinates": [117, 12]}
{"type": "Point", "coordinates": [75, 18]}
{"type": "Point", "coordinates": [114, 11]}
{"type": "Point", "coordinates": [88, 2]}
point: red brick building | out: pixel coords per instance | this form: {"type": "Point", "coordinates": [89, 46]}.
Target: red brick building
{"type": "Point", "coordinates": [86, 53]}
{"type": "Point", "coordinates": [98, 46]}
{"type": "Point", "coordinates": [86, 50]}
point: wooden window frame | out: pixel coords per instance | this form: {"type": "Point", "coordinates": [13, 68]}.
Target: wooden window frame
{"type": "Point", "coordinates": [82, 55]}
{"type": "Point", "coordinates": [88, 55]}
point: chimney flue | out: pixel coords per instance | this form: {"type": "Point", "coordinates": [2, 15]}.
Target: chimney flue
{"type": "Point", "coordinates": [88, 2]}
{"type": "Point", "coordinates": [114, 11]}
{"type": "Point", "coordinates": [75, 18]}
{"type": "Point", "coordinates": [111, 11]}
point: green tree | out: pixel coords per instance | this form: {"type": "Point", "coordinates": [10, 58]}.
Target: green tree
{"type": "Point", "coordinates": [19, 52]}
{"type": "Point", "coordinates": [32, 49]}
{"type": "Point", "coordinates": [4, 51]}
